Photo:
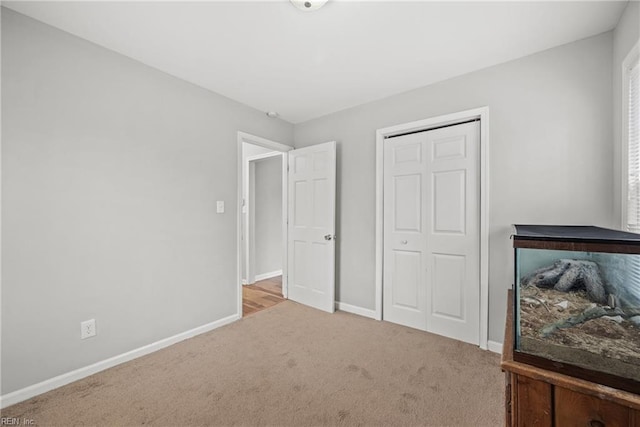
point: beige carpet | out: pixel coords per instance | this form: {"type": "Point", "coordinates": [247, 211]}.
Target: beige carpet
{"type": "Point", "coordinates": [288, 365]}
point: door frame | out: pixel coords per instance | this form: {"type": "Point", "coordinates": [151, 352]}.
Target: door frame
{"type": "Point", "coordinates": [481, 113]}
{"type": "Point", "coordinates": [249, 242]}
{"type": "Point", "coordinates": [275, 146]}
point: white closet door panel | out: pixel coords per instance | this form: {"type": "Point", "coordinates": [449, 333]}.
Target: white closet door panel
{"type": "Point", "coordinates": [453, 238]}
{"type": "Point", "coordinates": [404, 295]}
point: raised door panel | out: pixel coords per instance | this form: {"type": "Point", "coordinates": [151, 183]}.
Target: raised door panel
{"type": "Point", "coordinates": [407, 153]}
{"type": "Point", "coordinates": [407, 280]}
{"type": "Point", "coordinates": [448, 202]}
{"type": "Point", "coordinates": [447, 290]}
{"type": "Point", "coordinates": [407, 195]}
{"type": "Point", "coordinates": [449, 148]}
{"type": "Point", "coordinates": [301, 207]}
{"type": "Point", "coordinates": [318, 205]}
{"type": "Point", "coordinates": [300, 276]}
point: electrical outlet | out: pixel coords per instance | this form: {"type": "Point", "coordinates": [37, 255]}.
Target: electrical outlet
{"type": "Point", "coordinates": [88, 329]}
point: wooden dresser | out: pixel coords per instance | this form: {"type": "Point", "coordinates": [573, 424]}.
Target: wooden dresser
{"type": "Point", "coordinates": [537, 397]}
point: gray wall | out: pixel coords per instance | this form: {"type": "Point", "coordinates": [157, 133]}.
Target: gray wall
{"type": "Point", "coordinates": [268, 215]}
{"type": "Point", "coordinates": [550, 155]}
{"type": "Point", "coordinates": [625, 36]}
{"type": "Point", "coordinates": [110, 174]}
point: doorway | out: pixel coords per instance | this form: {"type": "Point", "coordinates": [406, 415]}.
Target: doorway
{"type": "Point", "coordinates": [262, 196]}
{"type": "Point", "coordinates": [432, 228]}
{"type": "Point", "coordinates": [262, 226]}
{"type": "Point", "coordinates": [307, 223]}
{"type": "Point", "coordinates": [262, 214]}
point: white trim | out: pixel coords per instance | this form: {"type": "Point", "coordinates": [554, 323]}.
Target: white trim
{"type": "Point", "coordinates": [285, 224]}
{"type": "Point", "coordinates": [276, 146]}
{"type": "Point", "coordinates": [266, 276]}
{"type": "Point", "coordinates": [240, 179]}
{"type": "Point", "coordinates": [262, 142]}
{"type": "Point", "coordinates": [263, 156]}
{"type": "Point", "coordinates": [249, 221]}
{"type": "Point", "coordinates": [379, 220]}
{"type": "Point", "coordinates": [365, 312]}
{"type": "Point", "coordinates": [631, 57]}
{"type": "Point", "coordinates": [78, 374]}
{"type": "Point", "coordinates": [483, 114]}
{"type": "Point", "coordinates": [494, 346]}
{"type": "Point", "coordinates": [484, 227]}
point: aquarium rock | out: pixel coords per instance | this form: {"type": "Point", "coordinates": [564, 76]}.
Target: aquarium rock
{"type": "Point", "coordinates": [570, 274]}
{"type": "Point", "coordinates": [635, 320]}
{"type": "Point", "coordinates": [617, 319]}
{"type": "Point", "coordinates": [563, 304]}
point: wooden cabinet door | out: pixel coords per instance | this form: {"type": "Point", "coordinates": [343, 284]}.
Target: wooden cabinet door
{"type": "Point", "coordinates": [579, 410]}
{"type": "Point", "coordinates": [532, 403]}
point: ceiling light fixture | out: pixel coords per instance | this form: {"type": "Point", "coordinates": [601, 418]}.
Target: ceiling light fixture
{"type": "Point", "coordinates": [308, 5]}
{"type": "Point", "coordinates": [272, 114]}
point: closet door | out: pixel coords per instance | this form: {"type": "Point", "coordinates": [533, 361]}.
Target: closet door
{"type": "Point", "coordinates": [431, 231]}
{"type": "Point", "coordinates": [453, 232]}
{"type": "Point", "coordinates": [405, 206]}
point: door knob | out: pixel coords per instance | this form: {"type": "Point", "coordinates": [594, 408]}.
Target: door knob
{"type": "Point", "coordinates": [404, 242]}
{"type": "Point", "coordinates": [329, 237]}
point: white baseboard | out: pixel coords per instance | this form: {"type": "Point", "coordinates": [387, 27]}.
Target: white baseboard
{"type": "Point", "coordinates": [355, 310]}
{"type": "Point", "coordinates": [69, 377]}
{"type": "Point", "coordinates": [268, 275]}
{"type": "Point", "coordinates": [494, 346]}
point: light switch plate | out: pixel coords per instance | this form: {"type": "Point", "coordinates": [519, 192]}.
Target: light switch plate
{"type": "Point", "coordinates": [220, 206]}
{"type": "Point", "coordinates": [88, 329]}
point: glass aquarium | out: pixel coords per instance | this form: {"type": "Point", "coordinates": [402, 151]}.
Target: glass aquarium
{"type": "Point", "coordinates": [577, 302]}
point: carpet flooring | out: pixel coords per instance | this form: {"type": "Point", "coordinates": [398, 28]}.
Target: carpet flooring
{"type": "Point", "coordinates": [288, 365]}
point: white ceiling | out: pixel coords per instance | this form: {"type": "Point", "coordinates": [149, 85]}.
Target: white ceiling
{"type": "Point", "coordinates": [272, 56]}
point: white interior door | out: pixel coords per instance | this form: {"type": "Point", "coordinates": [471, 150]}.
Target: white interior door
{"type": "Point", "coordinates": [311, 230]}
{"type": "Point", "coordinates": [431, 231]}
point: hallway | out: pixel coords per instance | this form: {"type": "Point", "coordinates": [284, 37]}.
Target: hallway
{"type": "Point", "coordinates": [263, 294]}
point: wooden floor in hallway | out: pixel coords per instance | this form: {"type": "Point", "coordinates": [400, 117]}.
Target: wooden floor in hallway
{"type": "Point", "coordinates": [263, 294]}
